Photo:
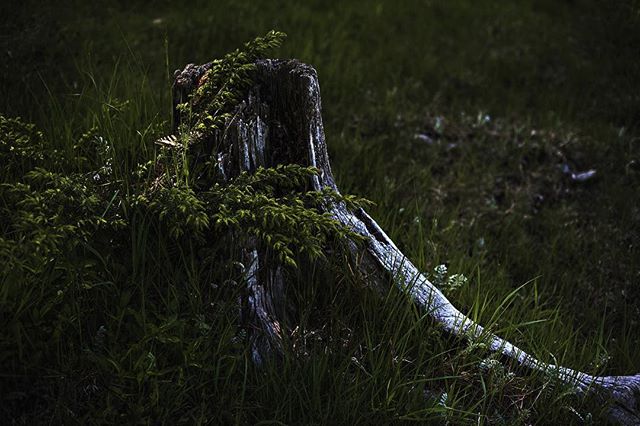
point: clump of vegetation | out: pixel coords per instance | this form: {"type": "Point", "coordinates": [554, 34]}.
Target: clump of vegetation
{"type": "Point", "coordinates": [271, 205]}
{"type": "Point", "coordinates": [73, 234]}
{"type": "Point", "coordinates": [225, 84]}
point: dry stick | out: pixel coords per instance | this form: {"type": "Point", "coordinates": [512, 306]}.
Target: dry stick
{"type": "Point", "coordinates": [289, 91]}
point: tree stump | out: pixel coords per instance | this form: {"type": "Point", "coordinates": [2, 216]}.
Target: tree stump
{"type": "Point", "coordinates": [280, 122]}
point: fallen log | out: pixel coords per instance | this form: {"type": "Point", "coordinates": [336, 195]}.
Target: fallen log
{"type": "Point", "coordinates": [279, 122]}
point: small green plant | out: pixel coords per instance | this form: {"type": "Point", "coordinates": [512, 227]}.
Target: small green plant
{"type": "Point", "coordinates": [445, 282]}
{"type": "Point", "coordinates": [224, 85]}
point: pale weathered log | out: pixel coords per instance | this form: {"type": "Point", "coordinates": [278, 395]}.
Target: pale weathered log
{"type": "Point", "coordinates": [280, 123]}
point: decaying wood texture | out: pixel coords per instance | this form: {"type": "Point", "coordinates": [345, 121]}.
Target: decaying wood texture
{"type": "Point", "coordinates": [280, 123]}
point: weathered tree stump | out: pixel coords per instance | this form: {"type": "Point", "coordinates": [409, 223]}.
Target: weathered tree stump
{"type": "Point", "coordinates": [280, 123]}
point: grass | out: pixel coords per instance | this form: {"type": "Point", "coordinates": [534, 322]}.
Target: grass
{"type": "Point", "coordinates": [454, 119]}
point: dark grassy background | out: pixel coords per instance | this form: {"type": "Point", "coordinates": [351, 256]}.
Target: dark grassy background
{"type": "Point", "coordinates": [454, 117]}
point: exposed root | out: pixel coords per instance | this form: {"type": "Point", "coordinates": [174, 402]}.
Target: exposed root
{"type": "Point", "coordinates": [623, 392]}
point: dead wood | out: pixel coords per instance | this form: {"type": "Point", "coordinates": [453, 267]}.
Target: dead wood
{"type": "Point", "coordinates": [280, 123]}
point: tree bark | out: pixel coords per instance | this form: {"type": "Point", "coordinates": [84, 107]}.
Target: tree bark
{"type": "Point", "coordinates": [280, 123]}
